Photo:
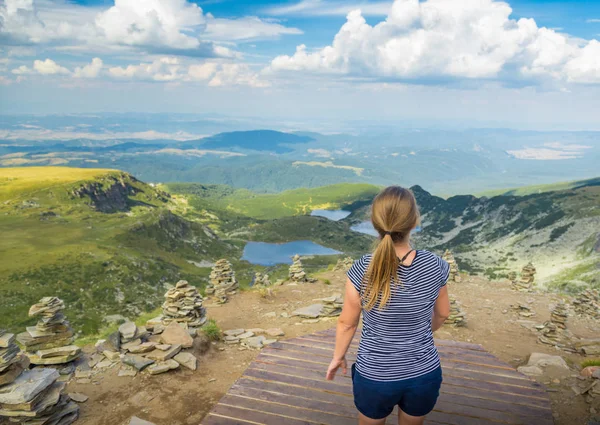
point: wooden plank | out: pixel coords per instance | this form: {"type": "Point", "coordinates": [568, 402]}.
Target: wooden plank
{"type": "Point", "coordinates": [251, 415]}
{"type": "Point", "coordinates": [212, 419]}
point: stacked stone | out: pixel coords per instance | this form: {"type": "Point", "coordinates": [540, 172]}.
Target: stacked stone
{"type": "Point", "coordinates": [587, 303]}
{"type": "Point", "coordinates": [512, 276]}
{"type": "Point", "coordinates": [222, 281]}
{"type": "Point", "coordinates": [12, 361]}
{"type": "Point", "coordinates": [454, 272]}
{"type": "Point", "coordinates": [523, 310]}
{"type": "Point", "coordinates": [525, 283]}
{"type": "Point", "coordinates": [296, 272]}
{"type": "Point", "coordinates": [35, 397]}
{"type": "Point", "coordinates": [183, 304]}
{"type": "Point", "coordinates": [50, 341]}
{"type": "Point", "coordinates": [457, 317]}
{"type": "Point", "coordinates": [343, 264]}
{"type": "Point", "coordinates": [261, 280]}
{"type": "Point", "coordinates": [332, 306]}
{"type": "Point", "coordinates": [553, 332]}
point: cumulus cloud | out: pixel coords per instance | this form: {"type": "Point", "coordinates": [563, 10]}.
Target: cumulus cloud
{"type": "Point", "coordinates": [49, 67]}
{"type": "Point", "coordinates": [329, 8]}
{"type": "Point", "coordinates": [437, 40]}
{"type": "Point", "coordinates": [146, 26]}
{"type": "Point", "coordinates": [91, 70]}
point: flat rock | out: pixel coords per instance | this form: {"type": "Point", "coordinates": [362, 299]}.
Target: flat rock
{"type": "Point", "coordinates": [111, 355]}
{"type": "Point", "coordinates": [530, 370]}
{"type": "Point", "coordinates": [128, 330]}
{"type": "Point", "coordinates": [187, 360]}
{"type": "Point", "coordinates": [69, 350]}
{"type": "Point", "coordinates": [127, 371]}
{"type": "Point", "coordinates": [11, 373]}
{"type": "Point", "coordinates": [270, 314]}
{"type": "Point", "coordinates": [6, 340]}
{"type": "Point", "coordinates": [131, 344]}
{"type": "Point", "coordinates": [29, 384]}
{"type": "Point", "coordinates": [544, 360]}
{"type": "Point", "coordinates": [275, 332]}
{"type": "Point", "coordinates": [312, 311]}
{"type": "Point", "coordinates": [138, 362]}
{"type": "Point", "coordinates": [175, 334]}
{"type": "Point", "coordinates": [36, 360]}
{"type": "Point", "coordinates": [78, 397]}
{"type": "Point", "coordinates": [143, 348]}
{"type": "Point", "coordinates": [163, 367]}
{"type": "Point", "coordinates": [246, 335]}
{"type": "Point", "coordinates": [161, 356]}
{"type": "Point", "coordinates": [163, 347]}
{"type": "Point", "coordinates": [113, 342]}
{"type": "Point", "coordinates": [104, 364]}
{"type": "Point", "coordinates": [254, 342]}
{"type": "Point", "coordinates": [256, 331]}
{"type": "Point", "coordinates": [137, 421]}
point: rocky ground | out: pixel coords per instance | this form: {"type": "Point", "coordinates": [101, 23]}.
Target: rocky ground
{"type": "Point", "coordinates": [184, 396]}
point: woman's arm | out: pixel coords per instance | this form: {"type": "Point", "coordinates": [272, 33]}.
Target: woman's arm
{"type": "Point", "coordinates": [441, 310]}
{"type": "Point", "coordinates": [346, 328]}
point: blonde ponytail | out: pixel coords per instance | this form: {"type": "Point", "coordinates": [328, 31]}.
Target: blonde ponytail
{"type": "Point", "coordinates": [394, 214]}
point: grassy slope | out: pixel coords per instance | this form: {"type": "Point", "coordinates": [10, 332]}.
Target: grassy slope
{"type": "Point", "coordinates": [272, 206]}
{"type": "Point", "coordinates": [55, 244]}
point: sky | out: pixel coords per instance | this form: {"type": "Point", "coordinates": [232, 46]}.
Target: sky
{"type": "Point", "coordinates": [477, 63]}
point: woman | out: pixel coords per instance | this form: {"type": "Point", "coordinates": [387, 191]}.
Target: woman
{"type": "Point", "coordinates": [403, 297]}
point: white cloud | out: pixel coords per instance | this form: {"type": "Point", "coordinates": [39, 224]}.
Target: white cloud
{"type": "Point", "coordinates": [552, 151]}
{"type": "Point", "coordinates": [437, 40]}
{"type": "Point", "coordinates": [246, 28]}
{"type": "Point", "coordinates": [22, 70]}
{"type": "Point", "coordinates": [230, 74]}
{"type": "Point", "coordinates": [163, 69]}
{"type": "Point", "coordinates": [201, 72]}
{"type": "Point", "coordinates": [91, 70]}
{"type": "Point", "coordinates": [329, 8]}
{"type": "Point", "coordinates": [174, 27]}
{"type": "Point", "coordinates": [49, 67]}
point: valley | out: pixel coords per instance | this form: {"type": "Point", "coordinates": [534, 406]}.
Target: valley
{"type": "Point", "coordinates": [108, 243]}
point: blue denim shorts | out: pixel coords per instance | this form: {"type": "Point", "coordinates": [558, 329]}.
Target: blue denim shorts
{"type": "Point", "coordinates": [415, 396]}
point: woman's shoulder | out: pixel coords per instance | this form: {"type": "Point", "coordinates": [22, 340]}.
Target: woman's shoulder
{"type": "Point", "coordinates": [428, 257]}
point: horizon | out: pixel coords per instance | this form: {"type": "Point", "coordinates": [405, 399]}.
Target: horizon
{"type": "Point", "coordinates": [521, 64]}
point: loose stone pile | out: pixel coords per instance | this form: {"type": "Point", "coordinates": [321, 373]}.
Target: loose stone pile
{"type": "Point", "coordinates": [222, 281]}
{"type": "Point", "coordinates": [296, 272]}
{"type": "Point", "coordinates": [12, 361]}
{"type": "Point", "coordinates": [251, 338]}
{"type": "Point", "coordinates": [153, 348]}
{"type": "Point", "coordinates": [457, 317]}
{"type": "Point", "coordinates": [35, 397]}
{"type": "Point", "coordinates": [343, 264]}
{"type": "Point", "coordinates": [587, 303]}
{"type": "Point", "coordinates": [525, 283]}
{"type": "Point", "coordinates": [50, 341]}
{"type": "Point", "coordinates": [332, 306]}
{"type": "Point", "coordinates": [183, 304]}
{"type": "Point", "coordinates": [454, 272]}
{"type": "Point", "coordinates": [261, 280]}
{"type": "Point", "coordinates": [554, 331]}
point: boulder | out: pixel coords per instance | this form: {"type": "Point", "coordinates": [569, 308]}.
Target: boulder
{"type": "Point", "coordinates": [530, 370]}
{"type": "Point", "coordinates": [175, 334]}
{"type": "Point", "coordinates": [128, 330]}
{"type": "Point", "coordinates": [254, 342]}
{"type": "Point", "coordinates": [312, 311]}
{"type": "Point", "coordinates": [138, 362]}
{"type": "Point", "coordinates": [545, 360]}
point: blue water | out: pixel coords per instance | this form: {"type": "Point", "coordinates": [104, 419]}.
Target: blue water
{"type": "Point", "coordinates": [367, 228]}
{"type": "Point", "coordinates": [269, 254]}
{"type": "Point", "coordinates": [334, 215]}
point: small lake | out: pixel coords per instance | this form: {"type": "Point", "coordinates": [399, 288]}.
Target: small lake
{"type": "Point", "coordinates": [334, 215]}
{"type": "Point", "coordinates": [367, 228]}
{"type": "Point", "coordinates": [269, 254]}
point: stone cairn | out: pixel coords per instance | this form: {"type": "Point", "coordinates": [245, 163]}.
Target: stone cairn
{"type": "Point", "coordinates": [332, 306]}
{"type": "Point", "coordinates": [31, 397]}
{"type": "Point", "coordinates": [261, 280]}
{"type": "Point", "coordinates": [525, 283]}
{"type": "Point", "coordinates": [457, 317]}
{"type": "Point", "coordinates": [454, 272]}
{"type": "Point", "coordinates": [554, 331]}
{"type": "Point", "coordinates": [523, 310]}
{"type": "Point", "coordinates": [328, 307]}
{"type": "Point", "coordinates": [296, 272]}
{"type": "Point", "coordinates": [587, 303]}
{"type": "Point", "coordinates": [252, 338]}
{"type": "Point", "coordinates": [222, 281]}
{"type": "Point", "coordinates": [343, 264]}
{"type": "Point", "coordinates": [50, 341]}
{"type": "Point", "coordinates": [183, 304]}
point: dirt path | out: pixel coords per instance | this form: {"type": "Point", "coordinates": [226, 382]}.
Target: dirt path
{"type": "Point", "coordinates": [183, 397]}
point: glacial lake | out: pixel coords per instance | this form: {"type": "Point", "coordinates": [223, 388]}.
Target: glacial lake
{"type": "Point", "coordinates": [367, 228]}
{"type": "Point", "coordinates": [334, 215]}
{"type": "Point", "coordinates": [269, 254]}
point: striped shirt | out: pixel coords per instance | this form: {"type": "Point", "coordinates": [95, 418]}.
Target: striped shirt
{"type": "Point", "coordinates": [397, 342]}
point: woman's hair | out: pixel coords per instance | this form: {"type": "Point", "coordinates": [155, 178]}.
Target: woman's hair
{"type": "Point", "coordinates": [394, 214]}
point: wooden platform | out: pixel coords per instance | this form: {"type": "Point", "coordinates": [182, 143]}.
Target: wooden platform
{"type": "Point", "coordinates": [286, 385]}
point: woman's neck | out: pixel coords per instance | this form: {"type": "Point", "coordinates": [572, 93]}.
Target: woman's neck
{"type": "Point", "coordinates": [402, 249]}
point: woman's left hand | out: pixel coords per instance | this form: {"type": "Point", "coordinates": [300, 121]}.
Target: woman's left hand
{"type": "Point", "coordinates": [334, 366]}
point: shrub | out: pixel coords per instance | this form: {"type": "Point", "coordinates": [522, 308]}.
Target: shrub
{"type": "Point", "coordinates": [327, 282]}
{"type": "Point", "coordinates": [212, 330]}
{"type": "Point", "coordinates": [590, 362]}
